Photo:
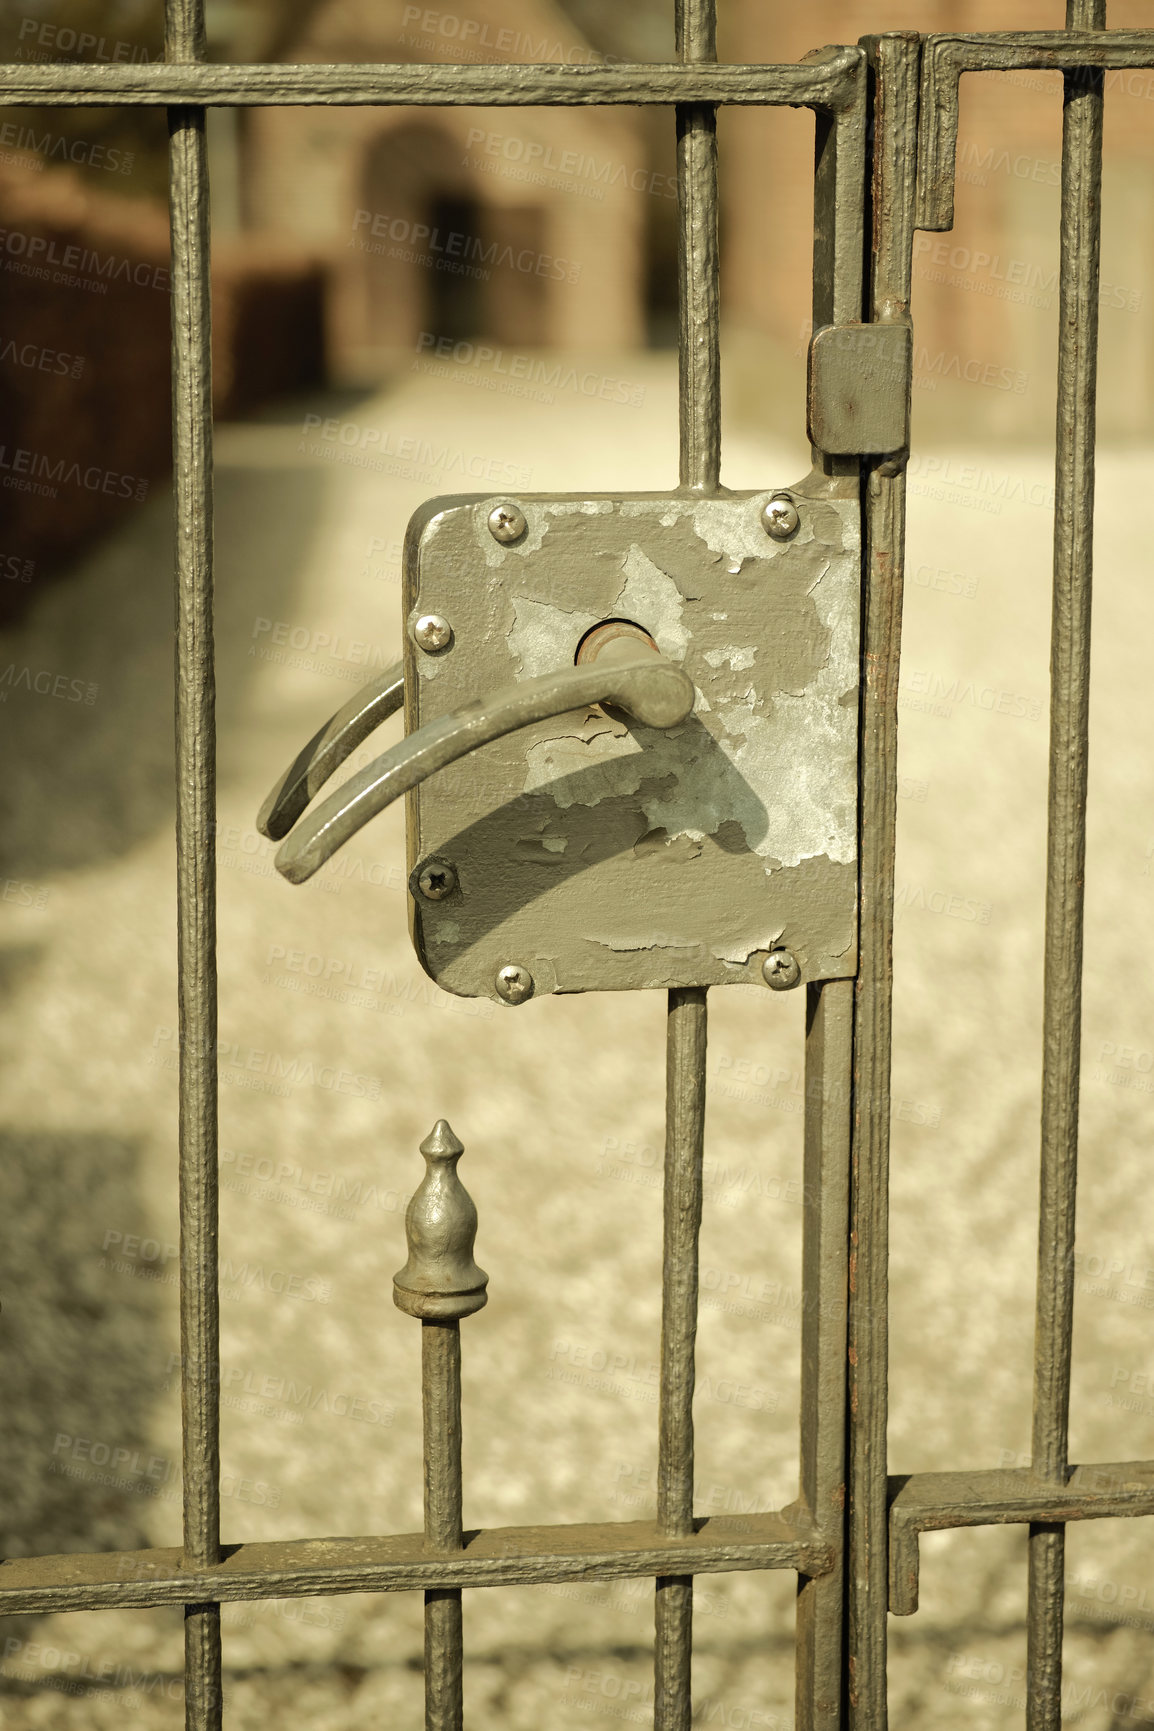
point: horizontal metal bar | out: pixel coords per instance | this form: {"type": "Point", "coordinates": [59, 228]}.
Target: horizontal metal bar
{"type": "Point", "coordinates": [934, 1502]}
{"type": "Point", "coordinates": [1038, 50]}
{"type": "Point", "coordinates": [945, 57]}
{"type": "Point", "coordinates": [500, 1557]}
{"type": "Point", "coordinates": [828, 81]}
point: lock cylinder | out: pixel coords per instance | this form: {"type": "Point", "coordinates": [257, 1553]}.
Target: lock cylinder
{"type": "Point", "coordinates": [614, 642]}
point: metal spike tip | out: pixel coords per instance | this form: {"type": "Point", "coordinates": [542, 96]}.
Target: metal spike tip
{"type": "Point", "coordinates": [441, 1140]}
{"type": "Point", "coordinates": [440, 1282]}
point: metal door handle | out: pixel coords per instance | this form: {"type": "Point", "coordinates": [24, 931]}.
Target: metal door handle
{"type": "Point", "coordinates": [328, 749]}
{"type": "Point", "coordinates": [650, 689]}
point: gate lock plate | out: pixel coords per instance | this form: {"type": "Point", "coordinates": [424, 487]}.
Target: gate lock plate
{"type": "Point", "coordinates": [631, 742]}
{"type": "Point", "coordinates": [600, 854]}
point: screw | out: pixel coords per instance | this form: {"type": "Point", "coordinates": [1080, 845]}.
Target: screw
{"type": "Point", "coordinates": [507, 523]}
{"type": "Point", "coordinates": [781, 970]}
{"type": "Point", "coordinates": [432, 633]}
{"type": "Point", "coordinates": [438, 879]}
{"type": "Point", "coordinates": [780, 518]}
{"type": "Point", "coordinates": [514, 984]}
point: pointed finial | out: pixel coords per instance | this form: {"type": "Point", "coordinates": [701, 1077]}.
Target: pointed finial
{"type": "Point", "coordinates": [440, 1281]}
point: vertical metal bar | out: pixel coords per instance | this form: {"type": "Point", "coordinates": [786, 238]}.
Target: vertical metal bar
{"type": "Point", "coordinates": [684, 1148]}
{"type": "Point", "coordinates": [699, 345]}
{"type": "Point", "coordinates": [838, 230]}
{"type": "Point", "coordinates": [444, 1633]}
{"type": "Point", "coordinates": [828, 1075]}
{"type": "Point", "coordinates": [838, 234]}
{"type": "Point", "coordinates": [894, 80]}
{"type": "Point", "coordinates": [1066, 847]}
{"type": "Point", "coordinates": [196, 867]}
{"type": "Point", "coordinates": [838, 264]}
{"type": "Point", "coordinates": [699, 401]}
{"type": "Point", "coordinates": [440, 1283]}
{"type": "Point", "coordinates": [838, 217]}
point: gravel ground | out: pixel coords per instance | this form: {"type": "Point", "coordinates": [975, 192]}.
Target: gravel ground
{"type": "Point", "coordinates": [560, 1107]}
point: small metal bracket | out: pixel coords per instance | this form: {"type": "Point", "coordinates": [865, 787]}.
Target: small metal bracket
{"type": "Point", "coordinates": [859, 388]}
{"type": "Point", "coordinates": [944, 59]}
{"type": "Point", "coordinates": [591, 852]}
{"type": "Point", "coordinates": [936, 1502]}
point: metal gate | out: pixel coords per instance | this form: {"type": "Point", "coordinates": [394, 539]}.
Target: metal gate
{"type": "Point", "coordinates": [886, 123]}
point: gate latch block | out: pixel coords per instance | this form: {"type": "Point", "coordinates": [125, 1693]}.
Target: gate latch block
{"type": "Point", "coordinates": [859, 389]}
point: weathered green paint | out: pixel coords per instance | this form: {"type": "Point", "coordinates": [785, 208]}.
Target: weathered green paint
{"type": "Point", "coordinates": [603, 855]}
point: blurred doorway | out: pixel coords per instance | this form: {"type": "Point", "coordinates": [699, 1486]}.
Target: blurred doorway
{"type": "Point", "coordinates": [439, 256]}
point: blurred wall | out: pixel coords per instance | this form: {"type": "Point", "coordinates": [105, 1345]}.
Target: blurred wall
{"type": "Point", "coordinates": [84, 358]}
{"type": "Point", "coordinates": [985, 295]}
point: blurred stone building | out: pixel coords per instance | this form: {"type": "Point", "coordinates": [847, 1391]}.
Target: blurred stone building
{"type": "Point", "coordinates": [523, 226]}
{"type": "Point", "coordinates": [557, 228]}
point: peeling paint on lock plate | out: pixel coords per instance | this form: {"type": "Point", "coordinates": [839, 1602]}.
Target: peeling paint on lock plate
{"type": "Point", "coordinates": [601, 854]}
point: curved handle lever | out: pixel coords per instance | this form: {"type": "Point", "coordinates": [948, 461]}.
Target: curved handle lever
{"type": "Point", "coordinates": [328, 749]}
{"type": "Point", "coordinates": [651, 690]}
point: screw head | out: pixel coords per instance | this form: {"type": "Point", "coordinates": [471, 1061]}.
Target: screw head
{"type": "Point", "coordinates": [780, 518]}
{"type": "Point", "coordinates": [514, 984]}
{"type": "Point", "coordinates": [507, 523]}
{"type": "Point", "coordinates": [781, 970]}
{"type": "Point", "coordinates": [432, 633]}
{"type": "Point", "coordinates": [437, 880]}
